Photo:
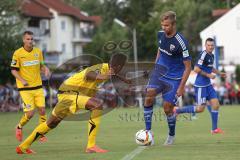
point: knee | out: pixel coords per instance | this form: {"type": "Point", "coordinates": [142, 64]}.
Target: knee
{"type": "Point", "coordinates": [29, 115]}
{"type": "Point", "coordinates": [42, 111]}
{"type": "Point", "coordinates": [98, 104]}
{"type": "Point", "coordinates": [53, 124]}
{"type": "Point", "coordinates": [200, 109]}
{"type": "Point", "coordinates": [149, 101]}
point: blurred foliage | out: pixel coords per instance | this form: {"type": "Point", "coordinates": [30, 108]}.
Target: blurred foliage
{"type": "Point", "coordinates": [9, 36]}
{"type": "Point", "coordinates": [192, 17]}
{"type": "Point", "coordinates": [237, 73]}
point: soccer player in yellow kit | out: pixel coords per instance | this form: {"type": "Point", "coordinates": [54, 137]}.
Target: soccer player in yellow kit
{"type": "Point", "coordinates": [26, 66]}
{"type": "Point", "coordinates": [76, 93]}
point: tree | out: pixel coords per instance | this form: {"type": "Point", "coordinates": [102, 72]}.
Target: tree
{"type": "Point", "coordinates": [237, 73]}
{"type": "Point", "coordinates": [9, 36]}
{"type": "Point", "coordinates": [115, 34]}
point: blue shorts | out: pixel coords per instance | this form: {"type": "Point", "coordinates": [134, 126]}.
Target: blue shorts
{"type": "Point", "coordinates": [168, 87]}
{"type": "Point", "coordinates": [204, 94]}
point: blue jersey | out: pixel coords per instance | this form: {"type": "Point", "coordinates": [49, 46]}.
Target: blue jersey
{"type": "Point", "coordinates": [173, 51]}
{"type": "Point", "coordinates": [205, 63]}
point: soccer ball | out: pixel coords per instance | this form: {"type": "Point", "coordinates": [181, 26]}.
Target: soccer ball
{"type": "Point", "coordinates": [144, 137]}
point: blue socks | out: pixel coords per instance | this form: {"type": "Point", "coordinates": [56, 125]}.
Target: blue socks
{"type": "Point", "coordinates": [214, 116]}
{"type": "Point", "coordinates": [148, 111]}
{"type": "Point", "coordinates": [171, 124]}
{"type": "Point", "coordinates": [187, 109]}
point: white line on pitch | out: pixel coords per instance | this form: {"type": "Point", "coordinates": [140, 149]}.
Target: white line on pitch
{"type": "Point", "coordinates": [135, 152]}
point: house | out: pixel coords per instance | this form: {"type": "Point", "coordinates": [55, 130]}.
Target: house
{"type": "Point", "coordinates": [60, 30]}
{"type": "Point", "coordinates": [226, 31]}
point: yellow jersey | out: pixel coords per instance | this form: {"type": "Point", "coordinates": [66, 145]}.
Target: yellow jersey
{"type": "Point", "coordinates": [28, 66]}
{"type": "Point", "coordinates": [79, 83]}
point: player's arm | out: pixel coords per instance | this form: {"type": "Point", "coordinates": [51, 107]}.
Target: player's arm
{"type": "Point", "coordinates": [128, 81]}
{"type": "Point", "coordinates": [15, 67]}
{"type": "Point", "coordinates": [185, 76]}
{"type": "Point", "coordinates": [45, 69]}
{"type": "Point", "coordinates": [158, 55]}
{"type": "Point", "coordinates": [16, 74]}
{"type": "Point", "coordinates": [198, 70]}
{"type": "Point", "coordinates": [222, 74]}
{"type": "Point", "coordinates": [93, 76]}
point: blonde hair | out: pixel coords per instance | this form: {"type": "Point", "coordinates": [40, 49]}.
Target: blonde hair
{"type": "Point", "coordinates": [169, 15]}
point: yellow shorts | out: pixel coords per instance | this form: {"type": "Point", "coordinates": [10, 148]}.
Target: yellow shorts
{"type": "Point", "coordinates": [32, 99]}
{"type": "Point", "coordinates": [69, 104]}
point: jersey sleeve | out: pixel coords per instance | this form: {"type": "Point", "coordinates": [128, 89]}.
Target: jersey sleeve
{"type": "Point", "coordinates": [159, 36]}
{"type": "Point", "coordinates": [185, 51]}
{"type": "Point", "coordinates": [201, 59]}
{"type": "Point", "coordinates": [104, 69]}
{"type": "Point", "coordinates": [184, 48]}
{"type": "Point", "coordinates": [15, 64]}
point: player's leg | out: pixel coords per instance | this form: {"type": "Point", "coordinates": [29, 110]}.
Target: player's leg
{"type": "Point", "coordinates": [152, 89]}
{"type": "Point", "coordinates": [95, 106]}
{"type": "Point", "coordinates": [28, 109]}
{"type": "Point", "coordinates": [200, 94]}
{"type": "Point", "coordinates": [40, 104]}
{"type": "Point", "coordinates": [37, 133]}
{"type": "Point", "coordinates": [148, 107]}
{"type": "Point", "coordinates": [169, 96]}
{"type": "Point", "coordinates": [215, 110]}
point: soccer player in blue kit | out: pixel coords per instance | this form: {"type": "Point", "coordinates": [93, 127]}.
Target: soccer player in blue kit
{"type": "Point", "coordinates": [204, 90]}
{"type": "Point", "coordinates": [169, 76]}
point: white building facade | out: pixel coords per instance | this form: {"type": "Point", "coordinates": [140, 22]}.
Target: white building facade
{"type": "Point", "coordinates": [226, 31]}
{"type": "Point", "coordinates": [60, 30]}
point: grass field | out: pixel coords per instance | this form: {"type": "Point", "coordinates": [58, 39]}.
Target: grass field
{"type": "Point", "coordinates": [67, 141]}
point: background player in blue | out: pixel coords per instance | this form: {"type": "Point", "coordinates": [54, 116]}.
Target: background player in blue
{"type": "Point", "coordinates": [204, 90]}
{"type": "Point", "coordinates": [171, 71]}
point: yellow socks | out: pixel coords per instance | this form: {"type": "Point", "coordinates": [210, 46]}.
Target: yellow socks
{"type": "Point", "coordinates": [42, 118]}
{"type": "Point", "coordinates": [37, 133]}
{"type": "Point", "coordinates": [93, 126]}
{"type": "Point", "coordinates": [23, 120]}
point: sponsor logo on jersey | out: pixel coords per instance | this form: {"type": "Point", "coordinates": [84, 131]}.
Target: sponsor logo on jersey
{"type": "Point", "coordinates": [164, 51]}
{"type": "Point", "coordinates": [172, 47]}
{"type": "Point", "coordinates": [31, 63]}
{"type": "Point", "coordinates": [36, 55]}
{"type": "Point", "coordinates": [14, 62]}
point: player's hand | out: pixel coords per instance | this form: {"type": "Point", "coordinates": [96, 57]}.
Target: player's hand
{"type": "Point", "coordinates": [223, 75]}
{"type": "Point", "coordinates": [47, 72]}
{"type": "Point", "coordinates": [24, 82]}
{"type": "Point", "coordinates": [211, 76]}
{"type": "Point", "coordinates": [180, 91]}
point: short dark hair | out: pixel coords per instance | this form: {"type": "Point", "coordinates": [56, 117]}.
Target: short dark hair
{"type": "Point", "coordinates": [209, 40]}
{"type": "Point", "coordinates": [118, 59]}
{"type": "Point", "coordinates": [27, 32]}
{"type": "Point", "coordinates": [171, 15]}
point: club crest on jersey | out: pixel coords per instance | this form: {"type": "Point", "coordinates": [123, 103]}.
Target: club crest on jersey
{"type": "Point", "coordinates": [14, 62]}
{"type": "Point", "coordinates": [35, 54]}
{"type": "Point", "coordinates": [172, 47]}
{"type": "Point", "coordinates": [160, 42]}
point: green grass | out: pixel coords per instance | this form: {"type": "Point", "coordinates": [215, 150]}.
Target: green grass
{"type": "Point", "coordinates": [67, 141]}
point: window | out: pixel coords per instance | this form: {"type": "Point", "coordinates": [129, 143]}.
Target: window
{"type": "Point", "coordinates": [44, 47]}
{"type": "Point", "coordinates": [221, 52]}
{"type": "Point", "coordinates": [63, 25]}
{"type": "Point", "coordinates": [63, 48]}
{"type": "Point", "coordinates": [33, 22]}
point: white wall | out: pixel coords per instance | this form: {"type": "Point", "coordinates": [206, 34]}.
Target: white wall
{"type": "Point", "coordinates": [227, 32]}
